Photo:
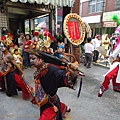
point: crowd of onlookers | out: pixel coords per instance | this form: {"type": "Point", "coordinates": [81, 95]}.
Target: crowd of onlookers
{"type": "Point", "coordinates": [21, 52]}
{"type": "Point", "coordinates": [97, 48]}
{"type": "Point", "coordinates": [100, 48]}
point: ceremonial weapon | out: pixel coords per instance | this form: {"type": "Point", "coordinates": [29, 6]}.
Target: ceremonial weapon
{"type": "Point", "coordinates": [79, 88]}
{"type": "Point", "coordinates": [81, 74]}
{"type": "Point", "coordinates": [48, 58]}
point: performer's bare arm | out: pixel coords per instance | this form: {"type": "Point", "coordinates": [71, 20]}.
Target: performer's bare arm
{"type": "Point", "coordinates": [70, 55]}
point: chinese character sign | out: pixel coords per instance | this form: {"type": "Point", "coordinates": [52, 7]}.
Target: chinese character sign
{"type": "Point", "coordinates": [74, 31]}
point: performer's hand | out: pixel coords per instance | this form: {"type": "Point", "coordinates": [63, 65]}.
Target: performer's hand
{"type": "Point", "coordinates": [73, 66]}
{"type": "Point", "coordinates": [73, 72]}
{"type": "Point", "coordinates": [55, 108]}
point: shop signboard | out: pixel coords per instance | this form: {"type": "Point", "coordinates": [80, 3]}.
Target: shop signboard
{"type": "Point", "coordinates": [109, 24]}
{"type": "Point", "coordinates": [107, 16]}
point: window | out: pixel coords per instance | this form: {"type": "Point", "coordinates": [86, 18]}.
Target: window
{"type": "Point", "coordinates": [96, 6]}
{"type": "Point", "coordinates": [117, 4]}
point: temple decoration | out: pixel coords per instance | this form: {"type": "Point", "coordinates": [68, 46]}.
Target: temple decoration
{"type": "Point", "coordinates": [74, 28]}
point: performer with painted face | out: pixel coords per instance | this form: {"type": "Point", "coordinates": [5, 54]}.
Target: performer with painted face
{"type": "Point", "coordinates": [48, 78]}
{"type": "Point", "coordinates": [11, 73]}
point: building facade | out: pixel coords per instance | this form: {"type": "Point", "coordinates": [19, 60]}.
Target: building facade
{"type": "Point", "coordinates": [14, 13]}
{"type": "Point", "coordinates": [95, 13]}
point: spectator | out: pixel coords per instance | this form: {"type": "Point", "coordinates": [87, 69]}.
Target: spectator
{"type": "Point", "coordinates": [16, 48]}
{"type": "Point", "coordinates": [26, 52]}
{"type": "Point", "coordinates": [20, 42]}
{"type": "Point", "coordinates": [36, 36]}
{"type": "Point", "coordinates": [106, 43]}
{"type": "Point", "coordinates": [32, 34]}
{"type": "Point", "coordinates": [96, 43]}
{"type": "Point", "coordinates": [18, 58]}
{"type": "Point", "coordinates": [112, 43]}
{"type": "Point", "coordinates": [89, 52]}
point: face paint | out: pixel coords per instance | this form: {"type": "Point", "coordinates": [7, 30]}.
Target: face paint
{"type": "Point", "coordinates": [32, 59]}
{"type": "Point", "coordinates": [35, 61]}
{"type": "Point", "coordinates": [2, 47]}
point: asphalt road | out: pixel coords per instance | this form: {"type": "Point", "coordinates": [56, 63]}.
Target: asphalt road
{"type": "Point", "coordinates": [87, 107]}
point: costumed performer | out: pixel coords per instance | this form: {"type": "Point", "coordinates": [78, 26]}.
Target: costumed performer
{"type": "Point", "coordinates": [48, 78]}
{"type": "Point", "coordinates": [113, 73]}
{"type": "Point", "coordinates": [11, 73]}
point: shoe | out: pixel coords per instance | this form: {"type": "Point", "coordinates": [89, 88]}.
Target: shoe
{"type": "Point", "coordinates": [8, 94]}
{"type": "Point", "coordinates": [33, 101]}
{"type": "Point", "coordinates": [116, 90]}
{"type": "Point", "coordinates": [101, 91]}
{"type": "Point", "coordinates": [89, 67]}
{"type": "Point", "coordinates": [1, 90]}
{"type": "Point", "coordinates": [25, 67]}
{"type": "Point", "coordinates": [68, 109]}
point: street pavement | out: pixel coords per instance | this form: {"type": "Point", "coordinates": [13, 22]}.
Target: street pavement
{"type": "Point", "coordinates": [87, 107]}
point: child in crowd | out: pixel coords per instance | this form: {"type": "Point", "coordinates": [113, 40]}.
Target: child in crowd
{"type": "Point", "coordinates": [16, 48]}
{"type": "Point", "coordinates": [18, 58]}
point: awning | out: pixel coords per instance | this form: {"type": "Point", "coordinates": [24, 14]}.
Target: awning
{"type": "Point", "coordinates": [46, 2]}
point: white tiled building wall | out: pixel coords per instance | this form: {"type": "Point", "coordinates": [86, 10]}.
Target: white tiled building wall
{"type": "Point", "coordinates": [3, 21]}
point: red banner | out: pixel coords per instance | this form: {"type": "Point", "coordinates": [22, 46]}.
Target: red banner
{"type": "Point", "coordinates": [73, 28]}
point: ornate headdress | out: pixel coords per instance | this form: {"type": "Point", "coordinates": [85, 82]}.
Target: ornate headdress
{"type": "Point", "coordinates": [42, 44]}
{"type": "Point", "coordinates": [7, 40]}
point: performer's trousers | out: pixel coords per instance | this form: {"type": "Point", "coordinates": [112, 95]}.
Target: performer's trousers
{"type": "Point", "coordinates": [112, 76]}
